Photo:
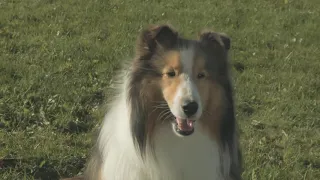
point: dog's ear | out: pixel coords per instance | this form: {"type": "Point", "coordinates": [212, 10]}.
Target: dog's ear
{"type": "Point", "coordinates": [161, 36]}
{"type": "Point", "coordinates": [215, 39]}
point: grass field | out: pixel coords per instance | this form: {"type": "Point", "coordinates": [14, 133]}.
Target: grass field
{"type": "Point", "coordinates": [57, 58]}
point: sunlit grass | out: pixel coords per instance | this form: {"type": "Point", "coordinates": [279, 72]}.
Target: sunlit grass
{"type": "Point", "coordinates": [57, 57]}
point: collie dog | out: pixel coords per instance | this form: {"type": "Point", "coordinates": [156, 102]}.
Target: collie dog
{"type": "Point", "coordinates": [173, 118]}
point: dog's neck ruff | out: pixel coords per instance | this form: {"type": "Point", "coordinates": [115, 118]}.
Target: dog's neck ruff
{"type": "Point", "coordinates": [171, 157]}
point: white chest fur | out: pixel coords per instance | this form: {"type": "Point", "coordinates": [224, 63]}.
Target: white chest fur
{"type": "Point", "coordinates": [186, 158]}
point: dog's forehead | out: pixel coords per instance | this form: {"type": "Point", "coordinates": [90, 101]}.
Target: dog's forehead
{"type": "Point", "coordinates": [191, 56]}
{"type": "Point", "coordinates": [186, 57]}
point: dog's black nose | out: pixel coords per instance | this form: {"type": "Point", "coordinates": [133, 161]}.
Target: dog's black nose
{"type": "Point", "coordinates": [190, 108]}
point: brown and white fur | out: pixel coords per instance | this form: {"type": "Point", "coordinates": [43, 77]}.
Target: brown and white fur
{"type": "Point", "coordinates": [151, 133]}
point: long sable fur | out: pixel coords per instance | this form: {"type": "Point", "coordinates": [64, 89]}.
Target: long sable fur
{"type": "Point", "coordinates": [147, 43]}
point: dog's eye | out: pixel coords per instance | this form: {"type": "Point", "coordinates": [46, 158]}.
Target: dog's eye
{"type": "Point", "coordinates": [201, 75]}
{"type": "Point", "coordinates": [171, 74]}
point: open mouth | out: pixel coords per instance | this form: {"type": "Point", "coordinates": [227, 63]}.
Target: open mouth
{"type": "Point", "coordinates": [184, 127]}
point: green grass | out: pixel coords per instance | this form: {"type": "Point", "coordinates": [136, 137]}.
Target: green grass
{"type": "Point", "coordinates": [57, 58]}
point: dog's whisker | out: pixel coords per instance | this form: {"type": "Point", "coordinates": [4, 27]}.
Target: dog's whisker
{"type": "Point", "coordinates": [207, 112]}
{"type": "Point", "coordinates": [165, 117]}
{"type": "Point", "coordinates": [157, 108]}
{"type": "Point", "coordinates": [162, 114]}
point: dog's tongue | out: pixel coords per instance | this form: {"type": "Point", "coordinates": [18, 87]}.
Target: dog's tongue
{"type": "Point", "coordinates": [185, 124]}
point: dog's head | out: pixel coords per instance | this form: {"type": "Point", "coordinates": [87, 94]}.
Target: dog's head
{"type": "Point", "coordinates": [183, 81]}
{"type": "Point", "coordinates": [186, 76]}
